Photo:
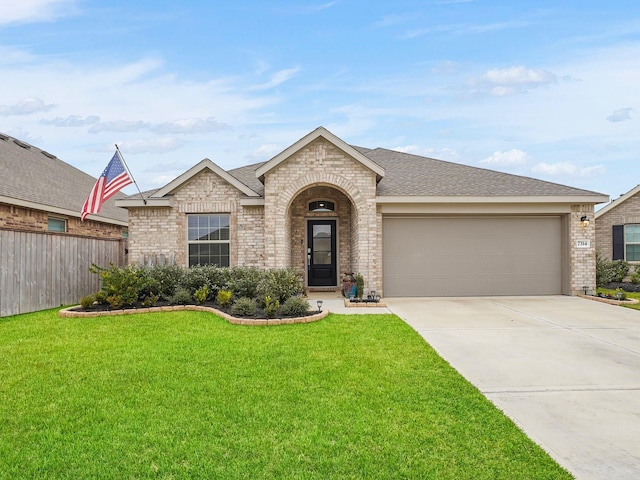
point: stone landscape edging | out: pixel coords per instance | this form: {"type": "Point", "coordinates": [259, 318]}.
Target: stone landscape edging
{"type": "Point", "coordinates": [70, 313]}
{"type": "Point", "coordinates": [610, 301]}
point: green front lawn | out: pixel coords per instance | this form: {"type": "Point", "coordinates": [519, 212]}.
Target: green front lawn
{"type": "Point", "coordinates": [188, 395]}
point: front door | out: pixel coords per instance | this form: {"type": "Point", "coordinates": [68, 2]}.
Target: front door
{"type": "Point", "coordinates": [321, 253]}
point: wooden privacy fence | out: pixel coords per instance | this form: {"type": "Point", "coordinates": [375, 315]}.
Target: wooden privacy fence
{"type": "Point", "coordinates": [43, 270]}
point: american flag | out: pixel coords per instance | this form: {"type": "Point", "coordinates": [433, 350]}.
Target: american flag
{"type": "Point", "coordinates": [113, 179]}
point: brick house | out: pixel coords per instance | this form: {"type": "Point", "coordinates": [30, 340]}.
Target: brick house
{"type": "Point", "coordinates": [618, 228]}
{"type": "Point", "coordinates": [41, 193]}
{"type": "Point", "coordinates": [412, 226]}
{"type": "Point", "coordinates": [45, 250]}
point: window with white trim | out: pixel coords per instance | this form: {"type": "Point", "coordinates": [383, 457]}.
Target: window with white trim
{"type": "Point", "coordinates": [632, 242]}
{"type": "Point", "coordinates": [56, 224]}
{"type": "Point", "coordinates": [208, 239]}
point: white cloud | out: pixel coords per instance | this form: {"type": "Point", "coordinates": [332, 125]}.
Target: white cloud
{"type": "Point", "coordinates": [34, 10]}
{"type": "Point", "coordinates": [510, 157]}
{"type": "Point", "coordinates": [559, 168]}
{"type": "Point", "coordinates": [264, 152]}
{"type": "Point", "coordinates": [620, 115]}
{"type": "Point", "coordinates": [119, 126]}
{"type": "Point", "coordinates": [71, 121]}
{"type": "Point", "coordinates": [510, 81]}
{"type": "Point", "coordinates": [277, 79]}
{"type": "Point", "coordinates": [593, 171]}
{"type": "Point", "coordinates": [190, 125]}
{"type": "Point", "coordinates": [26, 106]}
{"type": "Point", "coordinates": [153, 145]}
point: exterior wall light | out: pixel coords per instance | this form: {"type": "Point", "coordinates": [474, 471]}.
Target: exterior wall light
{"type": "Point", "coordinates": [585, 221]}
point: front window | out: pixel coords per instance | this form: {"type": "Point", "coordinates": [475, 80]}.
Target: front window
{"type": "Point", "coordinates": [632, 242]}
{"type": "Point", "coordinates": [208, 239]}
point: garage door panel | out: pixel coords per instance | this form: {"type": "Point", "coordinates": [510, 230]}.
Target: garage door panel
{"type": "Point", "coordinates": [472, 256]}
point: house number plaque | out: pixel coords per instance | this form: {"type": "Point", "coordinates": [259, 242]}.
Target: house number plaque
{"type": "Point", "coordinates": [583, 243]}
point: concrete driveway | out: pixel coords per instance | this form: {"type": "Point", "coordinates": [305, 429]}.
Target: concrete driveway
{"type": "Point", "coordinates": [565, 369]}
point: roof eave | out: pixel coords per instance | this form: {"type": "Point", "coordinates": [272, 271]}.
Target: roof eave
{"type": "Point", "coordinates": [618, 201]}
{"type": "Point", "coordinates": [57, 210]}
{"type": "Point", "coordinates": [595, 199]}
{"type": "Point", "coordinates": [193, 171]}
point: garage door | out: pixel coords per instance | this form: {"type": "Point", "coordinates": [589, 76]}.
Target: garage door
{"type": "Point", "coordinates": [439, 256]}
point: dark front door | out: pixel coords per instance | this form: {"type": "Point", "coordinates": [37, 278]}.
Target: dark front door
{"type": "Point", "coordinates": [321, 253]}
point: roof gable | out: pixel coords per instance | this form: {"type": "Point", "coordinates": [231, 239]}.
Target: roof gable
{"type": "Point", "coordinates": [616, 202]}
{"type": "Point", "coordinates": [331, 138]}
{"type": "Point", "coordinates": [196, 169]}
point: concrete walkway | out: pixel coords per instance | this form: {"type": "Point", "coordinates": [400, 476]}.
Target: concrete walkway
{"type": "Point", "coordinates": [565, 369]}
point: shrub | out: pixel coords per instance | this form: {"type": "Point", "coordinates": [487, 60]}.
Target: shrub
{"type": "Point", "coordinates": [201, 294]}
{"type": "Point", "coordinates": [359, 285]}
{"type": "Point", "coordinates": [620, 269]}
{"type": "Point", "coordinates": [294, 307]}
{"type": "Point", "coordinates": [195, 278]}
{"type": "Point", "coordinates": [87, 302]}
{"type": "Point", "coordinates": [123, 282]}
{"type": "Point", "coordinates": [224, 298]}
{"type": "Point", "coordinates": [181, 297]}
{"type": "Point", "coordinates": [115, 301]}
{"type": "Point", "coordinates": [150, 300]}
{"type": "Point", "coordinates": [280, 284]}
{"type": "Point", "coordinates": [244, 307]}
{"type": "Point", "coordinates": [270, 306]}
{"type": "Point", "coordinates": [217, 278]}
{"type": "Point", "coordinates": [243, 281]}
{"type": "Point", "coordinates": [635, 278]}
{"type": "Point", "coordinates": [165, 280]}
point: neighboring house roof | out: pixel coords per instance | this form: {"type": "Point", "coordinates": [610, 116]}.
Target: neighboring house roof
{"type": "Point", "coordinates": [33, 178]}
{"type": "Point", "coordinates": [616, 202]}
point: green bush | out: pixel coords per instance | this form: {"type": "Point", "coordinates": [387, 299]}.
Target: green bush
{"type": "Point", "coordinates": [224, 298]}
{"type": "Point", "coordinates": [87, 302]}
{"type": "Point", "coordinates": [195, 278]}
{"type": "Point", "coordinates": [181, 297]}
{"type": "Point", "coordinates": [620, 269]}
{"type": "Point", "coordinates": [244, 307]}
{"type": "Point", "coordinates": [635, 278]}
{"type": "Point", "coordinates": [280, 284]}
{"type": "Point", "coordinates": [201, 295]}
{"type": "Point", "coordinates": [243, 281]}
{"type": "Point", "coordinates": [165, 280]}
{"type": "Point", "coordinates": [294, 307]}
{"type": "Point", "coordinates": [607, 271]}
{"type": "Point", "coordinates": [270, 306]}
{"type": "Point", "coordinates": [150, 300]}
{"type": "Point", "coordinates": [115, 301]}
{"type": "Point", "coordinates": [124, 282]}
{"type": "Point", "coordinates": [359, 285]}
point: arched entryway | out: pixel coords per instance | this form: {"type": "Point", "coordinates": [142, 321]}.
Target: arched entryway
{"type": "Point", "coordinates": [322, 226]}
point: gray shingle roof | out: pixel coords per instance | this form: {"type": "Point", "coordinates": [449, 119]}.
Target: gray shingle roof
{"type": "Point", "coordinates": [33, 175]}
{"type": "Point", "coordinates": [413, 175]}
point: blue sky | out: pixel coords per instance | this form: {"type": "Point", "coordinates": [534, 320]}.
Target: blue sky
{"type": "Point", "coordinates": [544, 89]}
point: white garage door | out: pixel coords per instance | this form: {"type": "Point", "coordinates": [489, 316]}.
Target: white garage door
{"type": "Point", "coordinates": [469, 256]}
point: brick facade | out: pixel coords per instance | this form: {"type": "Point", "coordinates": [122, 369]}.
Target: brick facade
{"type": "Point", "coordinates": [626, 212]}
{"type": "Point", "coordinates": [13, 217]}
{"type": "Point", "coordinates": [582, 268]}
{"type": "Point", "coordinates": [322, 164]}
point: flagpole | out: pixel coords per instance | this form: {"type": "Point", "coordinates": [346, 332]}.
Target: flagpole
{"type": "Point", "coordinates": [129, 172]}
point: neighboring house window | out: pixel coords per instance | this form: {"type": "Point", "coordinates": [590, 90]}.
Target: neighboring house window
{"type": "Point", "coordinates": [626, 242]}
{"type": "Point", "coordinates": [125, 233]}
{"type": "Point", "coordinates": [57, 224]}
{"type": "Point", "coordinates": [632, 242]}
{"type": "Point", "coordinates": [208, 239]}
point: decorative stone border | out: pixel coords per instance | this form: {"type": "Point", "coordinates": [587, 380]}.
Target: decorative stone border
{"type": "Point", "coordinates": [610, 301]}
{"type": "Point", "coordinates": [349, 304]}
{"type": "Point", "coordinates": [69, 312]}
